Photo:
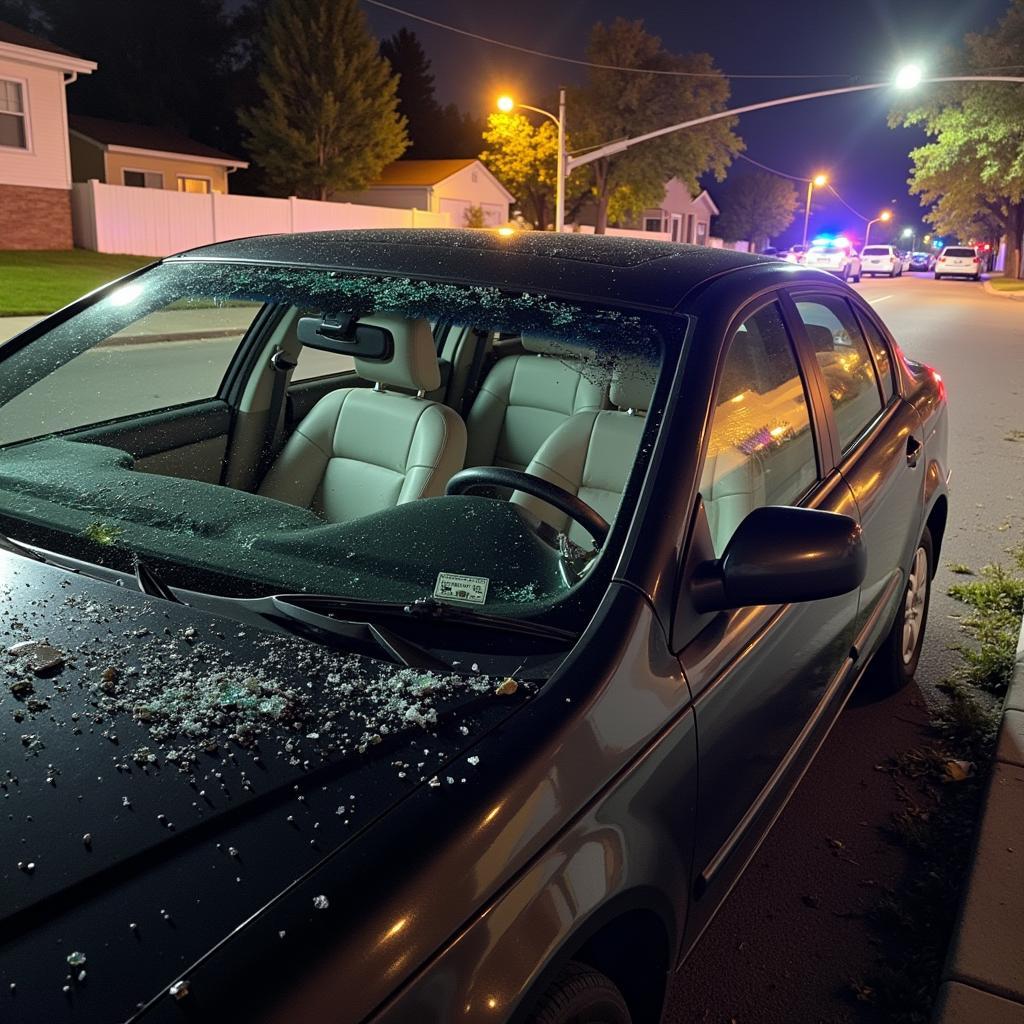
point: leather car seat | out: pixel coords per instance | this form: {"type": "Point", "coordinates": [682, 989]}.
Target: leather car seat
{"type": "Point", "coordinates": [524, 399]}
{"type": "Point", "coordinates": [359, 450]}
{"type": "Point", "coordinates": [592, 453]}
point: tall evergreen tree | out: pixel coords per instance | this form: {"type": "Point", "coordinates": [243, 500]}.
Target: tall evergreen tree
{"type": "Point", "coordinates": [416, 102]}
{"type": "Point", "coordinates": [328, 121]}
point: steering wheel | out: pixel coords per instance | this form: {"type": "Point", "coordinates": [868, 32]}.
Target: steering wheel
{"type": "Point", "coordinates": [495, 476]}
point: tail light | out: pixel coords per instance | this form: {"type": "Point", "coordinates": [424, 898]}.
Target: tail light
{"type": "Point", "coordinates": [976, 260]}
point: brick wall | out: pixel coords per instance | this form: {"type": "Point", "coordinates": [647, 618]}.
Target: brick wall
{"type": "Point", "coordinates": [35, 218]}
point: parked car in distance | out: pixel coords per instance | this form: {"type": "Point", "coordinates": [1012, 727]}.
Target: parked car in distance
{"type": "Point", "coordinates": [922, 261]}
{"type": "Point", "coordinates": [769, 250]}
{"type": "Point", "coordinates": [794, 254]}
{"type": "Point", "coordinates": [958, 261]}
{"type": "Point", "coordinates": [465, 609]}
{"type": "Point", "coordinates": [837, 256]}
{"type": "Point", "coordinates": [904, 255]}
{"type": "Point", "coordinates": [881, 259]}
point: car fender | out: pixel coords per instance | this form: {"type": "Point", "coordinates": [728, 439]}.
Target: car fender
{"type": "Point", "coordinates": [629, 853]}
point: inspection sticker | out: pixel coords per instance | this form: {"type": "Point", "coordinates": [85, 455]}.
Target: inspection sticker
{"type": "Point", "coordinates": [453, 586]}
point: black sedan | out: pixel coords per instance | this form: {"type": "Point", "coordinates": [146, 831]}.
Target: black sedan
{"type": "Point", "coordinates": [428, 626]}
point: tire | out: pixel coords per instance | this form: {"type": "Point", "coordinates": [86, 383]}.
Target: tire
{"type": "Point", "coordinates": [896, 660]}
{"type": "Point", "coordinates": [938, 277]}
{"type": "Point", "coordinates": [580, 995]}
{"type": "Point", "coordinates": [845, 274]}
{"type": "Point", "coordinates": [977, 277]}
{"type": "Point", "coordinates": [892, 273]}
{"type": "Point", "coordinates": [856, 280]}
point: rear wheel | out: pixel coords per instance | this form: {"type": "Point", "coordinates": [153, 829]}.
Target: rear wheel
{"type": "Point", "coordinates": [581, 995]}
{"type": "Point", "coordinates": [897, 658]}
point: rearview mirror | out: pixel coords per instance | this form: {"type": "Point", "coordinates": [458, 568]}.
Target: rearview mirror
{"type": "Point", "coordinates": [779, 555]}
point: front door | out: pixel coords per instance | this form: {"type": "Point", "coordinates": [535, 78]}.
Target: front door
{"type": "Point", "coordinates": [877, 436]}
{"type": "Point", "coordinates": [767, 681]}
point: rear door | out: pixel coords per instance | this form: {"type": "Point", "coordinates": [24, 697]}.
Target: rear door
{"type": "Point", "coordinates": [767, 681]}
{"type": "Point", "coordinates": [877, 442]}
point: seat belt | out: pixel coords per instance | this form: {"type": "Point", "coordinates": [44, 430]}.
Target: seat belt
{"type": "Point", "coordinates": [475, 369]}
{"type": "Point", "coordinates": [282, 365]}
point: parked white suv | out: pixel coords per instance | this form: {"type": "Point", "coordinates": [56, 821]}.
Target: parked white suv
{"type": "Point", "coordinates": [958, 261]}
{"type": "Point", "coordinates": [838, 259]}
{"type": "Point", "coordinates": [881, 259]}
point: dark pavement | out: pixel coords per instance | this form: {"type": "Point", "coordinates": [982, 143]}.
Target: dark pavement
{"type": "Point", "coordinates": [792, 942]}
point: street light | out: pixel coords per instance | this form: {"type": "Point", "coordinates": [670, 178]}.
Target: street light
{"type": "Point", "coordinates": [885, 216]}
{"type": "Point", "coordinates": [818, 181]}
{"type": "Point", "coordinates": [907, 77]}
{"type": "Point", "coordinates": [506, 104]}
{"type": "Point", "coordinates": [912, 235]}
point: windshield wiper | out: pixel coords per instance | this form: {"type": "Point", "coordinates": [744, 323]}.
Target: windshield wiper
{"type": "Point", "coordinates": [425, 608]}
{"type": "Point", "coordinates": [15, 547]}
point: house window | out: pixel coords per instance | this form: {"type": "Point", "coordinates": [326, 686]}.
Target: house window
{"type": "Point", "coordinates": [13, 127]}
{"type": "Point", "coordinates": [189, 184]}
{"type": "Point", "coordinates": [702, 232]}
{"type": "Point", "coordinates": [143, 179]}
{"type": "Point", "coordinates": [652, 224]}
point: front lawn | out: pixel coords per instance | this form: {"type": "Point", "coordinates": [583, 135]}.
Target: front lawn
{"type": "Point", "coordinates": [40, 282]}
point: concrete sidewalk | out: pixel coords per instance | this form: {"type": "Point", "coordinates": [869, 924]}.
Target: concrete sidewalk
{"type": "Point", "coordinates": [983, 981]}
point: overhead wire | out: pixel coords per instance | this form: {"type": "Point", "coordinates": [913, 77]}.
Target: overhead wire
{"type": "Point", "coordinates": [794, 177]}
{"type": "Point", "coordinates": [584, 63]}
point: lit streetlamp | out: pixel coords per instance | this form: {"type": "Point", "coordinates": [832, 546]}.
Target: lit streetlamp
{"type": "Point", "coordinates": [506, 104]}
{"type": "Point", "coordinates": [818, 181]}
{"type": "Point", "coordinates": [911, 234]}
{"type": "Point", "coordinates": [907, 77]}
{"type": "Point", "coordinates": [885, 216]}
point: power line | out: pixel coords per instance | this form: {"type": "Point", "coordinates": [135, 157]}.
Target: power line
{"type": "Point", "coordinates": [573, 60]}
{"type": "Point", "coordinates": [793, 177]}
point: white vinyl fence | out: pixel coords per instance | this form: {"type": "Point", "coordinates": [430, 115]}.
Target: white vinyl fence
{"type": "Point", "coordinates": [158, 222]}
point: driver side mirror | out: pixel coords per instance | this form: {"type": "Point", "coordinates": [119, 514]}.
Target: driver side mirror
{"type": "Point", "coordinates": [780, 555]}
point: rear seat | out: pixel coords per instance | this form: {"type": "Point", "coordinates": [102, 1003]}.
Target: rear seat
{"type": "Point", "coordinates": [524, 400]}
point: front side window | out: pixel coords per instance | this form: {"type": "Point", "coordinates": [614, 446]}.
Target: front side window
{"type": "Point", "coordinates": [761, 450]}
{"type": "Point", "coordinates": [842, 354]}
{"type": "Point", "coordinates": [169, 356]}
{"type": "Point", "coordinates": [13, 129]}
{"type": "Point", "coordinates": [352, 500]}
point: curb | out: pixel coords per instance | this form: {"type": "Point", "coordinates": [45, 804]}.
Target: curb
{"type": "Point", "coordinates": [1018, 296]}
{"type": "Point", "coordinates": [983, 979]}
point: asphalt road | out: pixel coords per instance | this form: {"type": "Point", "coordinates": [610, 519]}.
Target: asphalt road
{"type": "Point", "coordinates": [793, 938]}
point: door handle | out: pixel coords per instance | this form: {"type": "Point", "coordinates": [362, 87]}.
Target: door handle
{"type": "Point", "coordinates": [913, 451]}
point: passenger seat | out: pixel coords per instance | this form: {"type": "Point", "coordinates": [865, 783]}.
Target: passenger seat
{"type": "Point", "coordinates": [524, 400]}
{"type": "Point", "coordinates": [359, 450]}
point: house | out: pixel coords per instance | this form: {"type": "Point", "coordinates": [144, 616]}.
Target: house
{"type": "Point", "coordinates": [35, 162]}
{"type": "Point", "coordinates": [117, 153]}
{"type": "Point", "coordinates": [684, 217]}
{"type": "Point", "coordinates": [438, 186]}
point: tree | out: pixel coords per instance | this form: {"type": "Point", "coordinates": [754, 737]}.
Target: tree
{"type": "Point", "coordinates": [616, 105]}
{"type": "Point", "coordinates": [971, 172]}
{"type": "Point", "coordinates": [328, 121]}
{"type": "Point", "coordinates": [524, 158]}
{"type": "Point", "coordinates": [755, 206]}
{"type": "Point", "coordinates": [416, 102]}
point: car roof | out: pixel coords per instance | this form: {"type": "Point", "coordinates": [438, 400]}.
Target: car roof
{"type": "Point", "coordinates": [634, 271]}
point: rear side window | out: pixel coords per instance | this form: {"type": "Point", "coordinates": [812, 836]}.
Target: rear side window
{"type": "Point", "coordinates": [842, 354]}
{"type": "Point", "coordinates": [761, 450]}
{"type": "Point", "coordinates": [883, 360]}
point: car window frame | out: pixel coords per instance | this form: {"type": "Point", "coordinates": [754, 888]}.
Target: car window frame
{"type": "Point", "coordinates": [809, 291]}
{"type": "Point", "coordinates": [812, 391]}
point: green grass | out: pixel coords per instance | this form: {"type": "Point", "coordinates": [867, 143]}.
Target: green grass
{"type": "Point", "coordinates": [1006, 284]}
{"type": "Point", "coordinates": [33, 283]}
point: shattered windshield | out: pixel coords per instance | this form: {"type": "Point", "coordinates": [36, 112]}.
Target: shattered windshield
{"type": "Point", "coordinates": [278, 429]}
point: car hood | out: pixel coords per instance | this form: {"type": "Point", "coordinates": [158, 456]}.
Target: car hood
{"type": "Point", "coordinates": [168, 774]}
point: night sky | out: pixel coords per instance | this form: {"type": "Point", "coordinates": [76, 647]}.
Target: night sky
{"type": "Point", "coordinates": [846, 136]}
